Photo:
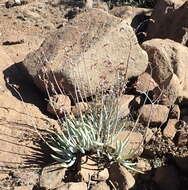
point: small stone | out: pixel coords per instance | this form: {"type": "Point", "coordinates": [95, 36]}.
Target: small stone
{"type": "Point", "coordinates": [79, 107]}
{"type": "Point", "coordinates": [137, 102]}
{"type": "Point", "coordinates": [170, 129]}
{"type": "Point", "coordinates": [133, 15]}
{"type": "Point", "coordinates": [123, 103]}
{"type": "Point", "coordinates": [88, 169]}
{"type": "Point", "coordinates": [153, 113]}
{"type": "Point", "coordinates": [102, 175]}
{"type": "Point", "coordinates": [145, 83]}
{"type": "Point", "coordinates": [143, 165]}
{"type": "Point", "coordinates": [149, 135]}
{"type": "Point", "coordinates": [59, 104]}
{"type": "Point", "coordinates": [52, 176]}
{"type": "Point", "coordinates": [121, 177]}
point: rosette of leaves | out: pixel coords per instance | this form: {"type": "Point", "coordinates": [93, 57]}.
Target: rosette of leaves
{"type": "Point", "coordinates": [92, 132]}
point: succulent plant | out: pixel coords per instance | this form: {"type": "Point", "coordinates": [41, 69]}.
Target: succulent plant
{"type": "Point", "coordinates": [92, 132]}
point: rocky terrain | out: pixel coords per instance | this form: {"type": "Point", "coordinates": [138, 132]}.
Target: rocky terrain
{"type": "Point", "coordinates": [53, 53]}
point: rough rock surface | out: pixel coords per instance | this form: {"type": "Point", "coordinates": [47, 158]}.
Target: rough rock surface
{"type": "Point", "coordinates": [18, 123]}
{"type": "Point", "coordinates": [168, 67]}
{"type": "Point", "coordinates": [90, 168]}
{"type": "Point", "coordinates": [52, 176]}
{"type": "Point", "coordinates": [87, 53]}
{"type": "Point", "coordinates": [169, 91]}
{"type": "Point", "coordinates": [145, 83]}
{"type": "Point", "coordinates": [170, 129]}
{"type": "Point", "coordinates": [79, 107]}
{"type": "Point", "coordinates": [59, 104]}
{"type": "Point", "coordinates": [123, 105]}
{"type": "Point", "coordinates": [134, 145]}
{"type": "Point", "coordinates": [171, 21]}
{"type": "Point", "coordinates": [154, 114]}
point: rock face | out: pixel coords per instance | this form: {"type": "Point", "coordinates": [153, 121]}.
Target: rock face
{"type": "Point", "coordinates": [171, 21]}
{"type": "Point", "coordinates": [155, 114]}
{"type": "Point", "coordinates": [86, 54]}
{"type": "Point", "coordinates": [145, 83]}
{"type": "Point", "coordinates": [168, 68]}
{"type": "Point", "coordinates": [52, 176]}
{"type": "Point", "coordinates": [18, 121]}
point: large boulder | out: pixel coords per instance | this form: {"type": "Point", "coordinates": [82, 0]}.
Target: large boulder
{"type": "Point", "coordinates": [86, 54]}
{"type": "Point", "coordinates": [168, 68]}
{"type": "Point", "coordinates": [171, 21]}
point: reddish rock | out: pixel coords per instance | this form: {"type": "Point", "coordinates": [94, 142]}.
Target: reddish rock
{"type": "Point", "coordinates": [79, 107]}
{"type": "Point", "coordinates": [168, 67]}
{"type": "Point", "coordinates": [149, 135]}
{"type": "Point", "coordinates": [91, 169]}
{"type": "Point", "coordinates": [52, 176]}
{"type": "Point", "coordinates": [123, 103]}
{"type": "Point", "coordinates": [59, 104]}
{"type": "Point", "coordinates": [182, 137]}
{"type": "Point", "coordinates": [134, 146]}
{"type": "Point", "coordinates": [145, 83]}
{"type": "Point", "coordinates": [143, 165]}
{"type": "Point", "coordinates": [121, 177]}
{"type": "Point", "coordinates": [75, 60]}
{"type": "Point", "coordinates": [154, 114]}
{"type": "Point", "coordinates": [169, 91]}
{"type": "Point", "coordinates": [170, 129]}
